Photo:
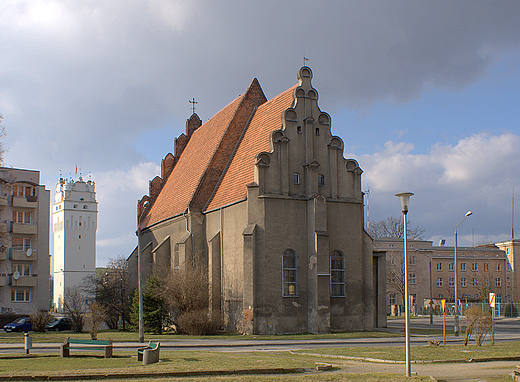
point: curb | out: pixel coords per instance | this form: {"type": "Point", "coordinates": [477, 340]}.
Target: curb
{"type": "Point", "coordinates": [75, 377]}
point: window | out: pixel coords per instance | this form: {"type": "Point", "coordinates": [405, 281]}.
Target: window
{"type": "Point", "coordinates": [392, 260]}
{"type": "Point", "coordinates": [289, 273]}
{"type": "Point", "coordinates": [439, 266]}
{"type": "Point", "coordinates": [299, 129]}
{"type": "Point", "coordinates": [450, 267]}
{"type": "Point", "coordinates": [337, 274]}
{"type": "Point", "coordinates": [497, 267]}
{"type": "Point", "coordinates": [391, 299]}
{"type": "Point", "coordinates": [440, 295]}
{"type": "Point", "coordinates": [509, 267]}
{"type": "Point", "coordinates": [486, 267]}
{"type": "Point", "coordinates": [321, 180]}
{"type": "Point", "coordinates": [21, 295]}
{"type": "Point", "coordinates": [21, 217]}
{"type": "Point", "coordinates": [498, 282]}
{"type": "Point", "coordinates": [317, 131]}
{"type": "Point", "coordinates": [474, 267]}
{"type": "Point", "coordinates": [439, 281]}
{"type": "Point", "coordinates": [296, 178]}
{"type": "Point", "coordinates": [451, 282]}
{"type": "Point", "coordinates": [23, 269]}
{"type": "Point", "coordinates": [462, 266]}
{"type": "Point", "coordinates": [412, 279]}
{"type": "Point", "coordinates": [411, 260]}
{"type": "Point", "coordinates": [21, 243]}
{"type": "Point", "coordinates": [22, 191]}
{"type": "Point", "coordinates": [508, 282]}
{"type": "Point", "coordinates": [413, 299]}
{"type": "Point", "coordinates": [475, 281]}
{"type": "Point", "coordinates": [176, 255]}
{"type": "Point", "coordinates": [463, 282]}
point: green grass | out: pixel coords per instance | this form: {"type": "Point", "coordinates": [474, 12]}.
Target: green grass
{"type": "Point", "coordinates": [118, 336]}
{"type": "Point", "coordinates": [448, 352]}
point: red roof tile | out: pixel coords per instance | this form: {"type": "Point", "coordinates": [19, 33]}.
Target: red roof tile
{"type": "Point", "coordinates": [240, 172]}
{"type": "Point", "coordinates": [182, 183]}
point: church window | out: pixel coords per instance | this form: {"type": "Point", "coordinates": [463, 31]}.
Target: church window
{"type": "Point", "coordinates": [321, 180]}
{"type": "Point", "coordinates": [296, 178]}
{"type": "Point", "coordinates": [299, 129]}
{"type": "Point", "coordinates": [337, 274]}
{"type": "Point", "coordinates": [317, 131]}
{"type": "Point", "coordinates": [176, 256]}
{"type": "Point", "coordinates": [289, 273]}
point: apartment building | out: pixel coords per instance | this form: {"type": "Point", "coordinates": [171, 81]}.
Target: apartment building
{"type": "Point", "coordinates": [431, 272]}
{"type": "Point", "coordinates": [24, 242]}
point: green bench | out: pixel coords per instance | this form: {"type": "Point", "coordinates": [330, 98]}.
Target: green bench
{"type": "Point", "coordinates": [79, 344]}
{"type": "Point", "coordinates": [149, 354]}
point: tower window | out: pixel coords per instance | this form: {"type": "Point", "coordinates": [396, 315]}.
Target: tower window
{"type": "Point", "coordinates": [289, 273]}
{"type": "Point", "coordinates": [337, 274]}
{"type": "Point", "coordinates": [321, 180]}
{"type": "Point", "coordinates": [317, 131]}
{"type": "Point", "coordinates": [296, 178]}
{"type": "Point", "coordinates": [299, 129]}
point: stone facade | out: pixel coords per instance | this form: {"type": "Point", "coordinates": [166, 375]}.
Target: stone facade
{"type": "Point", "coordinates": [24, 242]}
{"type": "Point", "coordinates": [262, 197]}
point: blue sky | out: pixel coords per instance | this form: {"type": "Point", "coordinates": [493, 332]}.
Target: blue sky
{"type": "Point", "coordinates": [424, 94]}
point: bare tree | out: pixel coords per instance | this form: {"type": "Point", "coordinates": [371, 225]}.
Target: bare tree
{"type": "Point", "coordinates": [112, 290]}
{"type": "Point", "coordinates": [483, 283]}
{"type": "Point", "coordinates": [74, 307]}
{"type": "Point", "coordinates": [186, 292]}
{"type": "Point", "coordinates": [393, 227]}
{"type": "Point", "coordinates": [98, 312]}
{"type": "Point", "coordinates": [395, 276]}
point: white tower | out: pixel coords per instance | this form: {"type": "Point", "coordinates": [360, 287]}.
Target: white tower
{"type": "Point", "coordinates": [74, 216]}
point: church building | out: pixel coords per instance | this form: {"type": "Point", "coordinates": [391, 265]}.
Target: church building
{"type": "Point", "coordinates": [263, 198]}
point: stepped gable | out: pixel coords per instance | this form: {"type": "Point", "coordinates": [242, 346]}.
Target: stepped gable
{"type": "Point", "coordinates": [241, 170]}
{"type": "Point", "coordinates": [196, 173]}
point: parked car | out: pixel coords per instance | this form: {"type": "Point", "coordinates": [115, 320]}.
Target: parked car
{"type": "Point", "coordinates": [22, 324]}
{"type": "Point", "coordinates": [59, 324]}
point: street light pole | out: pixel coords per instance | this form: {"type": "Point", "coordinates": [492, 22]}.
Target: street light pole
{"type": "Point", "coordinates": [139, 274]}
{"type": "Point", "coordinates": [405, 198]}
{"type": "Point", "coordinates": [456, 327]}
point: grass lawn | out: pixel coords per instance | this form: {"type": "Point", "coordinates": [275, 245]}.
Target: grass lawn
{"type": "Point", "coordinates": [118, 336]}
{"type": "Point", "coordinates": [448, 352]}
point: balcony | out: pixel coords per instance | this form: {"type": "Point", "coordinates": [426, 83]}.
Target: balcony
{"type": "Point", "coordinates": [27, 202]}
{"type": "Point", "coordinates": [24, 281]}
{"type": "Point", "coordinates": [22, 255]}
{"type": "Point", "coordinates": [24, 229]}
{"type": "Point", "coordinates": [3, 201]}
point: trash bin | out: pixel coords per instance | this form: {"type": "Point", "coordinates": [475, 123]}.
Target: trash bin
{"type": "Point", "coordinates": [27, 343]}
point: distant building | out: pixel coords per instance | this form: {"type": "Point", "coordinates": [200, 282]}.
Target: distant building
{"type": "Point", "coordinates": [24, 242]}
{"type": "Point", "coordinates": [481, 270]}
{"type": "Point", "coordinates": [261, 197]}
{"type": "Point", "coordinates": [74, 215]}
{"type": "Point", "coordinates": [512, 250]}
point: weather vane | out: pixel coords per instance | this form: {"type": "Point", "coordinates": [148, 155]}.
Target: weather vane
{"type": "Point", "coordinates": [305, 59]}
{"type": "Point", "coordinates": [193, 103]}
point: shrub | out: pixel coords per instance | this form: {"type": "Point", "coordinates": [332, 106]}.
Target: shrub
{"type": "Point", "coordinates": [198, 322]}
{"type": "Point", "coordinates": [39, 320]}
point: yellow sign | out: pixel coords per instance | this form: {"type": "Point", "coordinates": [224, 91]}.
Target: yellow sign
{"type": "Point", "coordinates": [443, 303]}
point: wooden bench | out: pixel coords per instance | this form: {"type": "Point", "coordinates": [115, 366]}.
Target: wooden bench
{"type": "Point", "coordinates": [79, 344]}
{"type": "Point", "coordinates": [149, 354]}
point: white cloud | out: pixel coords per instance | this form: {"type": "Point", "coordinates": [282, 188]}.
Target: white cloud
{"type": "Point", "coordinates": [477, 174]}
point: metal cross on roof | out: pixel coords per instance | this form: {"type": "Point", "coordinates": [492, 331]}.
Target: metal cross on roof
{"type": "Point", "coordinates": [305, 59]}
{"type": "Point", "coordinates": [193, 103]}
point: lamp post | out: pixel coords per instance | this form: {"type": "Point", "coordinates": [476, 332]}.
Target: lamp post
{"type": "Point", "coordinates": [405, 199]}
{"type": "Point", "coordinates": [455, 268]}
{"type": "Point", "coordinates": [139, 281]}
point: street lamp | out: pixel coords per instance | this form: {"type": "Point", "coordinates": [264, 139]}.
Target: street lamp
{"type": "Point", "coordinates": [139, 281]}
{"type": "Point", "coordinates": [405, 199]}
{"type": "Point", "coordinates": [456, 326]}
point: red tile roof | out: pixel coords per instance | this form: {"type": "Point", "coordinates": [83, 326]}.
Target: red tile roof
{"type": "Point", "coordinates": [240, 172]}
{"type": "Point", "coordinates": [182, 183]}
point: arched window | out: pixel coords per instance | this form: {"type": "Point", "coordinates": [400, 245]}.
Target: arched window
{"type": "Point", "coordinates": [337, 274]}
{"type": "Point", "coordinates": [176, 256]}
{"type": "Point", "coordinates": [289, 273]}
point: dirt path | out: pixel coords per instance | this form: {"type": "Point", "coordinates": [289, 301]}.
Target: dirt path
{"type": "Point", "coordinates": [479, 371]}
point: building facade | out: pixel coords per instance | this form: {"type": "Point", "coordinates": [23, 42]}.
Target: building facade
{"type": "Point", "coordinates": [262, 197]}
{"type": "Point", "coordinates": [74, 216]}
{"type": "Point", "coordinates": [24, 242]}
{"type": "Point", "coordinates": [481, 270]}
